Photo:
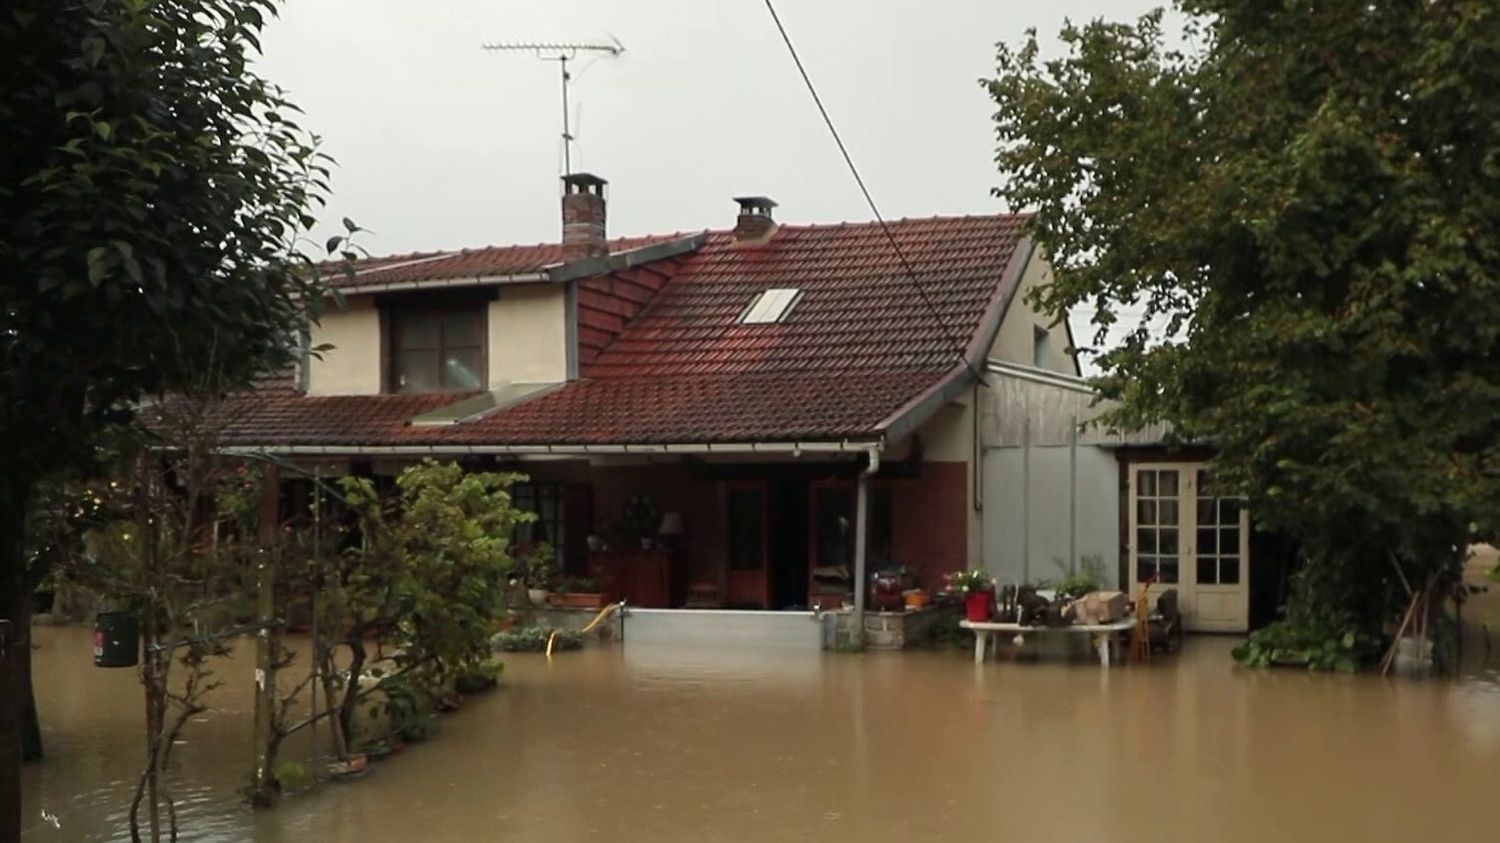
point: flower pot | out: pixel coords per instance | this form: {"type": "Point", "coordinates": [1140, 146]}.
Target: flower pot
{"type": "Point", "coordinates": [977, 605]}
{"type": "Point", "coordinates": [577, 600]}
{"type": "Point", "coordinates": [538, 596]}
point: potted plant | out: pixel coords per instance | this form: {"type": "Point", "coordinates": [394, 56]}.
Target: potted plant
{"type": "Point", "coordinates": [978, 590]}
{"type": "Point", "coordinates": [578, 593]}
{"type": "Point", "coordinates": [640, 520]}
{"type": "Point", "coordinates": [538, 567]}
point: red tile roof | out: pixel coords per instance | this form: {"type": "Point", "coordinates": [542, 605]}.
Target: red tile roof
{"type": "Point", "coordinates": [486, 262]}
{"type": "Point", "coordinates": [745, 407]}
{"type": "Point", "coordinates": [665, 359]}
{"type": "Point", "coordinates": [287, 417]}
{"type": "Point", "coordinates": [859, 309]}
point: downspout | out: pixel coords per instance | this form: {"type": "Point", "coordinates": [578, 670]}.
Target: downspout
{"type": "Point", "coordinates": [1026, 498]}
{"type": "Point", "coordinates": [1073, 497]}
{"type": "Point", "coordinates": [976, 465]}
{"type": "Point", "coordinates": [861, 542]}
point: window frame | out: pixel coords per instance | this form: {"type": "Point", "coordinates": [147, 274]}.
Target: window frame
{"type": "Point", "coordinates": [394, 309]}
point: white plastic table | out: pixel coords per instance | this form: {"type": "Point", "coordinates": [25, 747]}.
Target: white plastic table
{"type": "Point", "coordinates": [1102, 633]}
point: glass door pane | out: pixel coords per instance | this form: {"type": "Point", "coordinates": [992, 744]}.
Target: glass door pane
{"type": "Point", "coordinates": [1158, 525]}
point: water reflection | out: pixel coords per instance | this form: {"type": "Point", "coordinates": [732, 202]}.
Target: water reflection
{"type": "Point", "coordinates": [695, 743]}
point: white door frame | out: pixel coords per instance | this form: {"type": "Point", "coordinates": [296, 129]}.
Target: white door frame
{"type": "Point", "coordinates": [1206, 607]}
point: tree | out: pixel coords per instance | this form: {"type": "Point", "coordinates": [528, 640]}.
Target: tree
{"type": "Point", "coordinates": [153, 193]}
{"type": "Point", "coordinates": [1301, 199]}
{"type": "Point", "coordinates": [428, 576]}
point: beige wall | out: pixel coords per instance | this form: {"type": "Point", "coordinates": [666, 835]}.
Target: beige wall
{"type": "Point", "coordinates": [527, 342]}
{"type": "Point", "coordinates": [528, 335]}
{"type": "Point", "coordinates": [352, 366]}
{"type": "Point", "coordinates": [1016, 341]}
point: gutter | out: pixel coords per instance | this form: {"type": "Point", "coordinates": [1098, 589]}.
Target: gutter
{"type": "Point", "coordinates": [793, 448]}
{"type": "Point", "coordinates": [444, 283]}
{"type": "Point", "coordinates": [1041, 376]}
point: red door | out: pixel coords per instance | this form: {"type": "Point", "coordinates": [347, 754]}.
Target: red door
{"type": "Point", "coordinates": [749, 578]}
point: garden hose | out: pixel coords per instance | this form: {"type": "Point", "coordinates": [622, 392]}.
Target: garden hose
{"type": "Point", "coordinates": [603, 613]}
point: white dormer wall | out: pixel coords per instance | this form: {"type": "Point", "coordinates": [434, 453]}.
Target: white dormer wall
{"type": "Point", "coordinates": [352, 366]}
{"type": "Point", "coordinates": [1030, 338]}
{"type": "Point", "coordinates": [528, 338]}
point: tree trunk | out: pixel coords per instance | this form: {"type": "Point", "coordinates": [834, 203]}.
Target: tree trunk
{"type": "Point", "coordinates": [356, 644]}
{"type": "Point", "coordinates": [15, 649]}
{"type": "Point", "coordinates": [31, 727]}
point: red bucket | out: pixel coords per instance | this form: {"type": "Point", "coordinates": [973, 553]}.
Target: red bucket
{"type": "Point", "coordinates": [978, 604]}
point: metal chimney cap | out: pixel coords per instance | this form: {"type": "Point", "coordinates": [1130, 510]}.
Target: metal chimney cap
{"type": "Point", "coordinates": [759, 205]}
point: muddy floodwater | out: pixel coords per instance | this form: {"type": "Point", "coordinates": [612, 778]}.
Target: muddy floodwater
{"type": "Point", "coordinates": [687, 743]}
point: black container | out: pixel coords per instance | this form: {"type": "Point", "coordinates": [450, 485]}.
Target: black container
{"type": "Point", "coordinates": [117, 640]}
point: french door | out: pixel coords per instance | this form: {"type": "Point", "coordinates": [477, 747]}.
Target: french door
{"type": "Point", "coordinates": [1192, 539]}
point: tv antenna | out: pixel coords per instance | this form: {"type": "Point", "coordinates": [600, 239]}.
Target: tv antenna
{"type": "Point", "coordinates": [562, 53]}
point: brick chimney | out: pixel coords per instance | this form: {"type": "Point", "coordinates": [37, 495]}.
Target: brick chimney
{"type": "Point", "coordinates": [754, 224]}
{"type": "Point", "coordinates": [583, 217]}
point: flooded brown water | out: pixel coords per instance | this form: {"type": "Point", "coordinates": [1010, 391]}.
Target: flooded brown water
{"type": "Point", "coordinates": [680, 743]}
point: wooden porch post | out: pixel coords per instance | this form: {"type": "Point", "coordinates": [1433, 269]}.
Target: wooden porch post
{"type": "Point", "coordinates": [265, 673]}
{"type": "Point", "coordinates": [861, 542]}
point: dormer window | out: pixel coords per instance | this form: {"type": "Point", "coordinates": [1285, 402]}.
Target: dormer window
{"type": "Point", "coordinates": [771, 306]}
{"type": "Point", "coordinates": [438, 348]}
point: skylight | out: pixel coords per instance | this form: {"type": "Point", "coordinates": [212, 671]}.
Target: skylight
{"type": "Point", "coordinates": [771, 306]}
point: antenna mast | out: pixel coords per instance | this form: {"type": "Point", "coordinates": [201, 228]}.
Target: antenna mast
{"type": "Point", "coordinates": [562, 54]}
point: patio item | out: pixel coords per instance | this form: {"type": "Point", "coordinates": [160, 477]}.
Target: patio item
{"type": "Point", "coordinates": [703, 595]}
{"type": "Point", "coordinates": [1099, 607]}
{"type": "Point", "coordinates": [977, 606]}
{"type": "Point", "coordinates": [1164, 624]}
{"type": "Point", "coordinates": [1140, 639]}
{"type": "Point", "coordinates": [1102, 634]}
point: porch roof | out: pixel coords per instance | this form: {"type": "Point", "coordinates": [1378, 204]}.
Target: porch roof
{"type": "Point", "coordinates": [683, 410]}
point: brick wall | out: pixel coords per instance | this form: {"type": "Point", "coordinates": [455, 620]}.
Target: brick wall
{"type": "Point", "coordinates": [929, 520]}
{"type": "Point", "coordinates": [672, 489]}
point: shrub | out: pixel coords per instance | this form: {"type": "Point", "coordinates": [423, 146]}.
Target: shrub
{"type": "Point", "coordinates": [533, 639]}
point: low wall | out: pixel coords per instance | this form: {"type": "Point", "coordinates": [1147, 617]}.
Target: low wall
{"type": "Point", "coordinates": [885, 630]}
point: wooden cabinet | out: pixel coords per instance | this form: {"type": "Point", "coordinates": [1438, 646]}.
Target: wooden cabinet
{"type": "Point", "coordinates": [650, 579]}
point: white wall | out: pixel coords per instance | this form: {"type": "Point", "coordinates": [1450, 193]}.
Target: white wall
{"type": "Point", "coordinates": [352, 366]}
{"type": "Point", "coordinates": [1016, 340]}
{"type": "Point", "coordinates": [528, 335]}
{"type": "Point", "coordinates": [1026, 515]}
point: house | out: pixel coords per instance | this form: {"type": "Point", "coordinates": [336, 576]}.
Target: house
{"type": "Point", "coordinates": [800, 404]}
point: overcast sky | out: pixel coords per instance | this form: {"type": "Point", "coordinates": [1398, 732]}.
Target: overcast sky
{"type": "Point", "coordinates": [440, 144]}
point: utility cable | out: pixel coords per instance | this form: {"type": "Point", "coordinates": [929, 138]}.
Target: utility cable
{"type": "Point", "coordinates": [870, 200]}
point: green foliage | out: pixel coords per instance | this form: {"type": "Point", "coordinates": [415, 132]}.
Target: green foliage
{"type": "Point", "coordinates": [155, 191]}
{"type": "Point", "coordinates": [479, 677]}
{"type": "Point", "coordinates": [410, 707]}
{"type": "Point", "coordinates": [533, 639]}
{"type": "Point", "coordinates": [427, 578]}
{"type": "Point", "coordinates": [974, 579]}
{"type": "Point", "coordinates": [539, 565]}
{"type": "Point", "coordinates": [1298, 203]}
{"type": "Point", "coordinates": [578, 585]}
{"type": "Point", "coordinates": [1087, 578]}
{"type": "Point", "coordinates": [291, 776]}
{"type": "Point", "coordinates": [433, 562]}
{"type": "Point", "coordinates": [154, 194]}
{"type": "Point", "coordinates": [1331, 622]}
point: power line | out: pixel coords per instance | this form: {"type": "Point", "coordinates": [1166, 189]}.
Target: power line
{"type": "Point", "coordinates": [870, 200]}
